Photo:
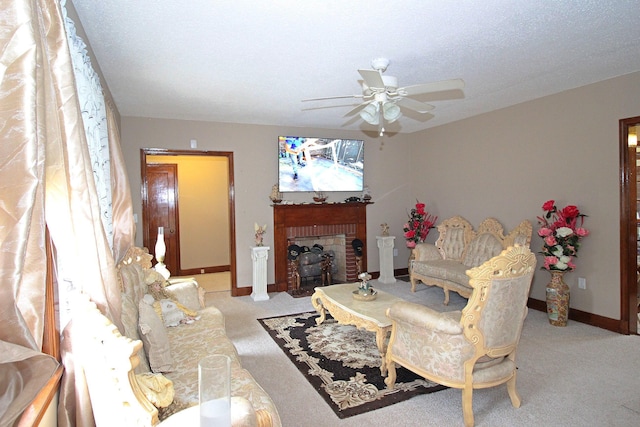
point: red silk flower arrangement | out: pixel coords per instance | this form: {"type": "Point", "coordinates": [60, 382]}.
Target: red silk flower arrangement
{"type": "Point", "coordinates": [418, 226]}
{"type": "Point", "coordinates": [561, 231]}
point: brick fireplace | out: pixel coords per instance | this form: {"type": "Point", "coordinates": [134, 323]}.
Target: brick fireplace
{"type": "Point", "coordinates": [297, 222]}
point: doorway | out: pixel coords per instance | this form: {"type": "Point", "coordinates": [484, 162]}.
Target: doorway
{"type": "Point", "coordinates": [629, 224]}
{"type": "Point", "coordinates": [203, 215]}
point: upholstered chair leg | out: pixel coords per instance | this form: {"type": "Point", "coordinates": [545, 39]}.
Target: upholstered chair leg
{"type": "Point", "coordinates": [467, 406]}
{"type": "Point", "coordinates": [413, 283]}
{"type": "Point", "coordinates": [390, 381]}
{"type": "Point", "coordinates": [513, 393]}
{"type": "Point", "coordinates": [446, 296]}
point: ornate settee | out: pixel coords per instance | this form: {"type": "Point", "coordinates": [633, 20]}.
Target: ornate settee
{"type": "Point", "coordinates": [460, 248]}
{"type": "Point", "coordinates": [129, 371]}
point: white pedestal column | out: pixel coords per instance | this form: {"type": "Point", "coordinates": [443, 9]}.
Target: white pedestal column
{"type": "Point", "coordinates": [259, 255]}
{"type": "Point", "coordinates": [385, 247]}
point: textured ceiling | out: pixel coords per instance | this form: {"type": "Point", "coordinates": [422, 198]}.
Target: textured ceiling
{"type": "Point", "coordinates": [243, 61]}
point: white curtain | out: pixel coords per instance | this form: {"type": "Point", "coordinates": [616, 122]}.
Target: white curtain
{"type": "Point", "coordinates": [94, 118]}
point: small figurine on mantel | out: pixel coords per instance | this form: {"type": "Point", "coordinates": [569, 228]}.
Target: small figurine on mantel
{"type": "Point", "coordinates": [260, 233]}
{"type": "Point", "coordinates": [276, 195]}
{"type": "Point", "coordinates": [366, 194]}
{"type": "Point", "coordinates": [319, 197]}
{"type": "Point", "coordinates": [385, 229]}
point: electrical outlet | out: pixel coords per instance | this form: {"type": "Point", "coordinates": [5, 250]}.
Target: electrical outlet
{"type": "Point", "coordinates": [582, 283]}
{"type": "Point", "coordinates": [395, 251]}
{"type": "Point", "coordinates": [202, 271]}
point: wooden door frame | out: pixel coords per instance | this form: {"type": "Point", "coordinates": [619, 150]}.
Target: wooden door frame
{"type": "Point", "coordinates": [144, 152]}
{"type": "Point", "coordinates": [628, 230]}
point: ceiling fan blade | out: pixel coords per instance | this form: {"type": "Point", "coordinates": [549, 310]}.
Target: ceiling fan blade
{"type": "Point", "coordinates": [414, 105]}
{"type": "Point", "coordinates": [372, 78]}
{"type": "Point", "coordinates": [357, 109]}
{"type": "Point", "coordinates": [441, 86]}
{"type": "Point", "coordinates": [333, 97]}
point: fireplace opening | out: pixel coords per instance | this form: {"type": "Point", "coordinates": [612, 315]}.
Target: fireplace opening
{"type": "Point", "coordinates": [319, 255]}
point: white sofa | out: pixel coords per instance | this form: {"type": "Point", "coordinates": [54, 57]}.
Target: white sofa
{"type": "Point", "coordinates": [460, 248]}
{"type": "Point", "coordinates": [122, 381]}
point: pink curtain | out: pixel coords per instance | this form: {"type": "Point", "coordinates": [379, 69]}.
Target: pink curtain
{"type": "Point", "coordinates": [47, 180]}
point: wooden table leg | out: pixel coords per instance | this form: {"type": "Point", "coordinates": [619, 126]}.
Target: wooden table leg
{"type": "Point", "coordinates": [381, 342]}
{"type": "Point", "coordinates": [316, 301]}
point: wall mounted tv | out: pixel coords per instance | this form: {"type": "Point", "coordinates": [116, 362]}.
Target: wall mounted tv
{"type": "Point", "coordinates": [320, 164]}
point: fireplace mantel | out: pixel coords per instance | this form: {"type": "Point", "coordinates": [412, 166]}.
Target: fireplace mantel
{"type": "Point", "coordinates": [312, 217]}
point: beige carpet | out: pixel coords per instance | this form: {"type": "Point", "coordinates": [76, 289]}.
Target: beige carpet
{"type": "Point", "coordinates": [578, 375]}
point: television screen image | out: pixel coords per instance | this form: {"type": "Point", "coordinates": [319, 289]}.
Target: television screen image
{"type": "Point", "coordinates": [320, 164]}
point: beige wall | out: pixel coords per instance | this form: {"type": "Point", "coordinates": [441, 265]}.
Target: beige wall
{"type": "Point", "coordinates": [503, 164]}
{"type": "Point", "coordinates": [203, 209]}
{"type": "Point", "coordinates": [509, 162]}
{"type": "Point", "coordinates": [255, 151]}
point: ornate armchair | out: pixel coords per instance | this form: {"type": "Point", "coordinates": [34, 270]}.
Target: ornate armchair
{"type": "Point", "coordinates": [474, 348]}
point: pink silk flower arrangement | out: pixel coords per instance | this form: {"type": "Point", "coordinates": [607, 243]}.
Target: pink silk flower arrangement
{"type": "Point", "coordinates": [418, 226]}
{"type": "Point", "coordinates": [561, 231]}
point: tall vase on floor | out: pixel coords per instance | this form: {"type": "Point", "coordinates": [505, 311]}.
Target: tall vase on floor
{"type": "Point", "coordinates": [561, 231]}
{"type": "Point", "coordinates": [558, 299]}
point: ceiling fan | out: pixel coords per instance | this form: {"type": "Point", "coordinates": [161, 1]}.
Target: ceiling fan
{"type": "Point", "coordinates": [383, 100]}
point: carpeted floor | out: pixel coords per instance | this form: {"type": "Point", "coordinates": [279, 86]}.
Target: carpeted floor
{"type": "Point", "coordinates": [572, 376]}
{"type": "Point", "coordinates": [342, 363]}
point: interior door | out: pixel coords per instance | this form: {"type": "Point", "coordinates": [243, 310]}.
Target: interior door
{"type": "Point", "coordinates": [629, 240]}
{"type": "Point", "coordinates": [162, 211]}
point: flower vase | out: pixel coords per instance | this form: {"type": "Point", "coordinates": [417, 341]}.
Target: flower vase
{"type": "Point", "coordinates": [412, 256]}
{"type": "Point", "coordinates": [557, 299]}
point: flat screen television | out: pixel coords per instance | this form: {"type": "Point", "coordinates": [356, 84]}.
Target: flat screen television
{"type": "Point", "coordinates": [320, 164]}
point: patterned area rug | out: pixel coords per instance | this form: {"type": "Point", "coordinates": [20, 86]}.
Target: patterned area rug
{"type": "Point", "coordinates": [342, 363]}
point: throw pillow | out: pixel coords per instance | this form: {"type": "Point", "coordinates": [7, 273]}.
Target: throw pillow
{"type": "Point", "coordinates": [154, 337]}
{"type": "Point", "coordinates": [157, 388]}
{"type": "Point", "coordinates": [187, 293]}
{"type": "Point", "coordinates": [129, 318]}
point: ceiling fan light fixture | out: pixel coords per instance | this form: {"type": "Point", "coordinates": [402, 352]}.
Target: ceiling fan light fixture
{"type": "Point", "coordinates": [391, 111]}
{"type": "Point", "coordinates": [370, 114]}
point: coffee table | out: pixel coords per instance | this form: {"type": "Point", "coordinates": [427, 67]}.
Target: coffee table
{"type": "Point", "coordinates": [369, 315]}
